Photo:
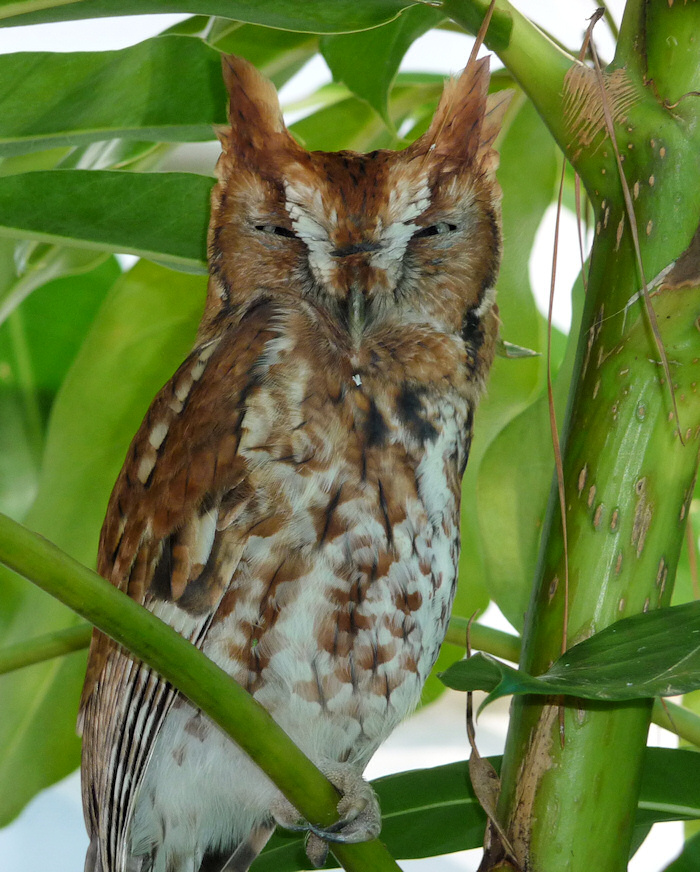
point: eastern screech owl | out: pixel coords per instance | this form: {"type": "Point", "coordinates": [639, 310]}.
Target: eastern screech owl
{"type": "Point", "coordinates": [291, 501]}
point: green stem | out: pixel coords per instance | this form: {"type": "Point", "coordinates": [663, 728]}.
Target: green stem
{"type": "Point", "coordinates": [496, 642]}
{"type": "Point", "coordinates": [570, 769]}
{"type": "Point", "coordinates": [27, 384]}
{"type": "Point", "coordinates": [202, 681]}
{"type": "Point", "coordinates": [45, 647]}
{"type": "Point", "coordinates": [629, 52]}
{"type": "Point", "coordinates": [677, 719]}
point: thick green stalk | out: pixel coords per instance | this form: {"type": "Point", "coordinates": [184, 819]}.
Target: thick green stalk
{"type": "Point", "coordinates": [184, 666]}
{"type": "Point", "coordinates": [628, 477]}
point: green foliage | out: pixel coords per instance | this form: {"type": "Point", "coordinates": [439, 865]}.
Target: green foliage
{"type": "Point", "coordinates": [314, 16]}
{"type": "Point", "coordinates": [367, 62]}
{"type": "Point", "coordinates": [689, 858]}
{"type": "Point", "coordinates": [648, 655]}
{"type": "Point", "coordinates": [161, 216]}
{"type": "Point", "coordinates": [428, 812]}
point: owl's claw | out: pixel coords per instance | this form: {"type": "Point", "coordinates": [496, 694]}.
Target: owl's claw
{"type": "Point", "coordinates": [364, 826]}
{"type": "Point", "coordinates": [360, 818]}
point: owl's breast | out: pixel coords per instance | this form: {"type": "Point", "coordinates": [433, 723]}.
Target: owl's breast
{"type": "Point", "coordinates": [344, 588]}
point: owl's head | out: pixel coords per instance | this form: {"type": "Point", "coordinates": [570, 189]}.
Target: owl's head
{"type": "Point", "coordinates": [412, 235]}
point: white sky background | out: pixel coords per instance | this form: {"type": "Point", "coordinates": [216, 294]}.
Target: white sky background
{"type": "Point", "coordinates": [50, 832]}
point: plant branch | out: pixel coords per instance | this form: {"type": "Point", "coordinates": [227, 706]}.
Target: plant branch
{"type": "Point", "coordinates": [202, 681]}
{"type": "Point", "coordinates": [45, 647]}
{"type": "Point", "coordinates": [496, 642]}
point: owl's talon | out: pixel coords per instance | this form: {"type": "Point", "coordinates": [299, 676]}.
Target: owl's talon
{"type": "Point", "coordinates": [339, 834]}
{"type": "Point", "coordinates": [360, 818]}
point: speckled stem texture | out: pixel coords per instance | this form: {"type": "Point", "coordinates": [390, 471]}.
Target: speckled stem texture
{"type": "Point", "coordinates": [568, 798]}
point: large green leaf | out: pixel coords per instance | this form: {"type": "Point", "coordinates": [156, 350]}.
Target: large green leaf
{"type": "Point", "coordinates": [57, 316]}
{"type": "Point", "coordinates": [347, 123]}
{"type": "Point", "coordinates": [141, 333]}
{"type": "Point", "coordinates": [434, 811]}
{"type": "Point", "coordinates": [511, 382]}
{"type": "Point", "coordinates": [343, 121]}
{"type": "Point", "coordinates": [161, 216]}
{"type": "Point", "coordinates": [279, 54]}
{"type": "Point", "coordinates": [515, 477]}
{"type": "Point", "coordinates": [647, 655]}
{"type": "Point", "coordinates": [367, 62]}
{"type": "Point", "coordinates": [313, 16]}
{"type": "Point", "coordinates": [514, 482]}
{"type": "Point", "coordinates": [37, 345]}
{"type": "Point", "coordinates": [164, 89]}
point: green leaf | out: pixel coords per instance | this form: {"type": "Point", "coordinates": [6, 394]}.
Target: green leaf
{"type": "Point", "coordinates": [314, 16]}
{"type": "Point", "coordinates": [278, 54]}
{"type": "Point", "coordinates": [689, 858]}
{"type": "Point", "coordinates": [37, 346]}
{"type": "Point", "coordinates": [670, 785]}
{"type": "Point", "coordinates": [56, 318]}
{"type": "Point", "coordinates": [647, 655]}
{"type": "Point", "coordinates": [512, 382]}
{"type": "Point", "coordinates": [140, 335]}
{"type": "Point", "coordinates": [35, 265]}
{"type": "Point", "coordinates": [18, 463]}
{"type": "Point", "coordinates": [348, 123]}
{"type": "Point", "coordinates": [514, 482]}
{"type": "Point", "coordinates": [367, 62]}
{"type": "Point", "coordinates": [160, 216]}
{"type": "Point", "coordinates": [164, 89]}
{"type": "Point", "coordinates": [434, 811]}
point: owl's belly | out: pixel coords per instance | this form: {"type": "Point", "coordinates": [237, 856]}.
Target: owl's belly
{"type": "Point", "coordinates": [336, 641]}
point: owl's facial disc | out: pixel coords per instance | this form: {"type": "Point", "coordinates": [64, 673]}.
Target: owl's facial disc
{"type": "Point", "coordinates": [356, 247]}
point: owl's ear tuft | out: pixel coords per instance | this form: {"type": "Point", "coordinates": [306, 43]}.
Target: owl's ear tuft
{"type": "Point", "coordinates": [467, 119]}
{"type": "Point", "coordinates": [254, 109]}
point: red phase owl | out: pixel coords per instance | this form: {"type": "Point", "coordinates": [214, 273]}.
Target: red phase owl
{"type": "Point", "coordinates": [291, 502]}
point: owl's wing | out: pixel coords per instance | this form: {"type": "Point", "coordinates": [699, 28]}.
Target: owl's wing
{"type": "Point", "coordinates": [175, 528]}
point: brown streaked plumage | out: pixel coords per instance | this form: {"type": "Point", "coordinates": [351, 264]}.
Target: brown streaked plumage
{"type": "Point", "coordinates": [291, 500]}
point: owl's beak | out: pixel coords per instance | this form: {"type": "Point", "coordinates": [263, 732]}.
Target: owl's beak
{"type": "Point", "coordinates": [357, 248]}
{"type": "Point", "coordinates": [356, 311]}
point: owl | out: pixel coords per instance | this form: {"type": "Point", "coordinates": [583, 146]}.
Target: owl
{"type": "Point", "coordinates": [291, 502]}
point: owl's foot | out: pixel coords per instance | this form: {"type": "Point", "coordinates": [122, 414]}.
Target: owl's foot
{"type": "Point", "coordinates": [360, 817]}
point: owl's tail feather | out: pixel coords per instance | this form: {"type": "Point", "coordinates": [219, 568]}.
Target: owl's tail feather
{"type": "Point", "coordinates": [248, 849]}
{"type": "Point", "coordinates": [92, 858]}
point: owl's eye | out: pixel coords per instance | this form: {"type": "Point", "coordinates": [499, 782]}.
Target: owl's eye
{"type": "Point", "coordinates": [434, 230]}
{"type": "Point", "coordinates": [276, 230]}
